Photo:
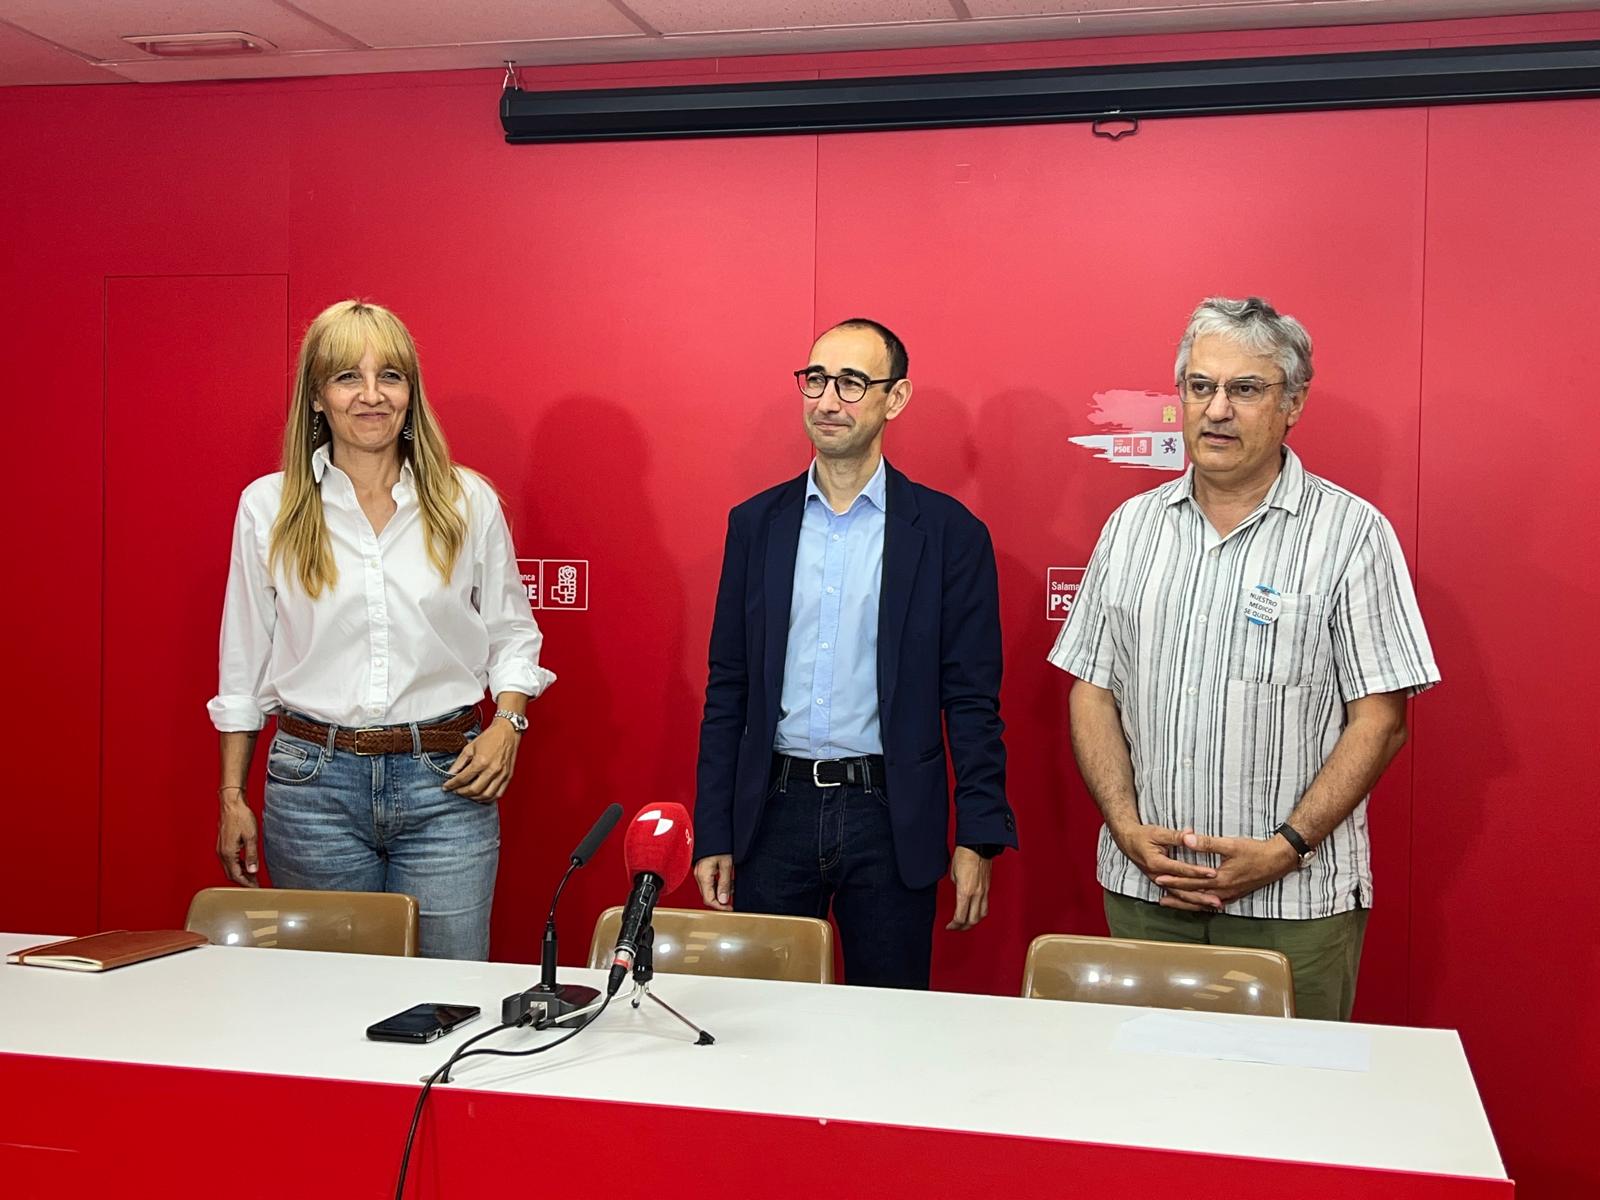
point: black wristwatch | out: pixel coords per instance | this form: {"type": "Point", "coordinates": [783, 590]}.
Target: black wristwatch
{"type": "Point", "coordinates": [987, 849]}
{"type": "Point", "coordinates": [1301, 847]}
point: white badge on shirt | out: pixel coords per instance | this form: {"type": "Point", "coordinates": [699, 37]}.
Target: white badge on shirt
{"type": "Point", "coordinates": [1263, 605]}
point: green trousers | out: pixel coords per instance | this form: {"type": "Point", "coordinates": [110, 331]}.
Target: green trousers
{"type": "Point", "coordinates": [1324, 953]}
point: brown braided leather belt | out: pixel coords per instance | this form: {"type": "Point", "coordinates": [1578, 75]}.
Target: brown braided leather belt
{"type": "Point", "coordinates": [445, 737]}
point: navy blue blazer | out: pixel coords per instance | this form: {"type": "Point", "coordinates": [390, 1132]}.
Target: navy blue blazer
{"type": "Point", "coordinates": [938, 657]}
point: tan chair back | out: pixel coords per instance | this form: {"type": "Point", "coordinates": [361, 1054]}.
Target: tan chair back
{"type": "Point", "coordinates": [1159, 975]}
{"type": "Point", "coordinates": [294, 919]}
{"type": "Point", "coordinates": [694, 941]}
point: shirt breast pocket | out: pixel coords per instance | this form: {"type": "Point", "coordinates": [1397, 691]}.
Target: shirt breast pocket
{"type": "Point", "coordinates": [1294, 650]}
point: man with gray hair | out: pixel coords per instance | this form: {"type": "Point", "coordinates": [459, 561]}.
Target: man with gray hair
{"type": "Point", "coordinates": [1244, 644]}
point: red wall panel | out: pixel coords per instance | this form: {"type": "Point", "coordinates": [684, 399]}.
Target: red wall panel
{"type": "Point", "coordinates": [1032, 270]}
{"type": "Point", "coordinates": [1506, 931]}
{"type": "Point", "coordinates": [160, 185]}
{"type": "Point", "coordinates": [51, 350]}
{"type": "Point", "coordinates": [196, 379]}
{"type": "Point", "coordinates": [599, 328]}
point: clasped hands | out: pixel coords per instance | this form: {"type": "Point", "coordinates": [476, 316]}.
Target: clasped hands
{"type": "Point", "coordinates": [1244, 864]}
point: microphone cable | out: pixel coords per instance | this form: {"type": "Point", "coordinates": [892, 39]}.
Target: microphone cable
{"type": "Point", "coordinates": [463, 1051]}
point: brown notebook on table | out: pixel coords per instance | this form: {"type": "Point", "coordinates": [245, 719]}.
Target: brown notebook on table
{"type": "Point", "coordinates": [104, 951]}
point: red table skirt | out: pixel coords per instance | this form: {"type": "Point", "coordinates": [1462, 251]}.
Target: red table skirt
{"type": "Point", "coordinates": [76, 1127]}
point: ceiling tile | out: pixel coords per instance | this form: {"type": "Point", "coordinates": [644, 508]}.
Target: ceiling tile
{"type": "Point", "coordinates": [487, 59]}
{"type": "Point", "coordinates": [386, 23]}
{"type": "Point", "coordinates": [1179, 14]}
{"type": "Point", "coordinates": [981, 9]}
{"type": "Point", "coordinates": [716, 16]}
{"type": "Point", "coordinates": [26, 59]}
{"type": "Point", "coordinates": [96, 30]}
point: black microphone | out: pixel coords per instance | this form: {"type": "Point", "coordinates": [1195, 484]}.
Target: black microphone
{"type": "Point", "coordinates": [636, 918]}
{"type": "Point", "coordinates": [657, 852]}
{"type": "Point", "coordinates": [580, 857]}
{"type": "Point", "coordinates": [547, 1001]}
{"type": "Point", "coordinates": [591, 840]}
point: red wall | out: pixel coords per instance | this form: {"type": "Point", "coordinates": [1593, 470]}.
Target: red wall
{"type": "Point", "coordinates": [607, 332]}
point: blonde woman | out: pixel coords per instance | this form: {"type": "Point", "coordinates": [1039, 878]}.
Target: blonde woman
{"type": "Point", "coordinates": [372, 596]}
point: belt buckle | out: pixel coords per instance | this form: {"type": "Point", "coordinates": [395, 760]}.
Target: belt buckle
{"type": "Point", "coordinates": [817, 779]}
{"type": "Point", "coordinates": [367, 753]}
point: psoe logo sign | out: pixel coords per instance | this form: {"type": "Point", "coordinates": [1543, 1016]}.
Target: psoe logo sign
{"type": "Point", "coordinates": [1060, 590]}
{"type": "Point", "coordinates": [556, 582]}
{"type": "Point", "coordinates": [565, 582]}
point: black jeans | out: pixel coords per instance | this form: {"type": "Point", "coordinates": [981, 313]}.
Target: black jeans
{"type": "Point", "coordinates": [833, 845]}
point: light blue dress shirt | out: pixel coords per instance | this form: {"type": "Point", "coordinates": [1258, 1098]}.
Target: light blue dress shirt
{"type": "Point", "coordinates": [829, 701]}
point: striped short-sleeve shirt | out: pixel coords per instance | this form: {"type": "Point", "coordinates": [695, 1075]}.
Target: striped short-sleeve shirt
{"type": "Point", "coordinates": [1228, 719]}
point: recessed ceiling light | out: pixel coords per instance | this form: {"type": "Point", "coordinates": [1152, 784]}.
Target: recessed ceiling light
{"type": "Point", "coordinates": [225, 43]}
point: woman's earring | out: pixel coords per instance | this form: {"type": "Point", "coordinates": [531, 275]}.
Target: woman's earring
{"type": "Point", "coordinates": [409, 431]}
{"type": "Point", "coordinates": [316, 428]}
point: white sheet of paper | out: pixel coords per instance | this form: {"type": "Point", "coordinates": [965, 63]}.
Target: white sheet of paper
{"type": "Point", "coordinates": [1322, 1044]}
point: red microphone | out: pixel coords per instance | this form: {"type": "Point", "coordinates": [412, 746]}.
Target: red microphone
{"type": "Point", "coordinates": [657, 851]}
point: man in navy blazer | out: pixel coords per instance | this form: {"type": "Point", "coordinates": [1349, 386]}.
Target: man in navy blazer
{"type": "Point", "coordinates": [857, 627]}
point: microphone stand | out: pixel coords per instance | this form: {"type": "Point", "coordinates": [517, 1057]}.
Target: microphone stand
{"type": "Point", "coordinates": [644, 972]}
{"type": "Point", "coordinates": [547, 1001]}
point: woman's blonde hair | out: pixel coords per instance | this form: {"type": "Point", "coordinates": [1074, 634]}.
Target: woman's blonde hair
{"type": "Point", "coordinates": [336, 341]}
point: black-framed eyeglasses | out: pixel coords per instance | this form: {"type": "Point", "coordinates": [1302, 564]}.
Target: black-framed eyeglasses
{"type": "Point", "coordinates": [847, 385]}
{"type": "Point", "coordinates": [1197, 389]}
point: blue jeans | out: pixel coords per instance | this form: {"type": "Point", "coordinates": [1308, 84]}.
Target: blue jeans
{"type": "Point", "coordinates": [832, 846]}
{"type": "Point", "coordinates": [334, 819]}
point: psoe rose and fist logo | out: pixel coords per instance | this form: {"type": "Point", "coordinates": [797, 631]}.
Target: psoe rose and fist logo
{"type": "Point", "coordinates": [556, 582]}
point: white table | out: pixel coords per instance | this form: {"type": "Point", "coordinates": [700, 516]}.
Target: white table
{"type": "Point", "coordinates": [948, 1062]}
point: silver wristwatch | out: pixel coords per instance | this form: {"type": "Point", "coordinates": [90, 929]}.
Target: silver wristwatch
{"type": "Point", "coordinates": [517, 720]}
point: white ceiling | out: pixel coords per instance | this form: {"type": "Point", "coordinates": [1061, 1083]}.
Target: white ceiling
{"type": "Point", "coordinates": [80, 41]}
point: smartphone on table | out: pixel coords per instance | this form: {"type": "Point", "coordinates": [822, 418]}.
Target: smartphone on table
{"type": "Point", "coordinates": [423, 1022]}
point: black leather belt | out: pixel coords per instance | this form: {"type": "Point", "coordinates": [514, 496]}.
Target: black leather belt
{"type": "Point", "coordinates": [862, 771]}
